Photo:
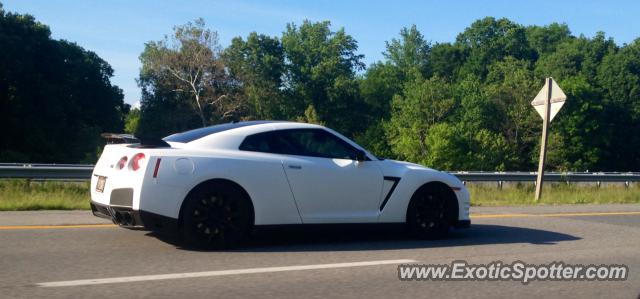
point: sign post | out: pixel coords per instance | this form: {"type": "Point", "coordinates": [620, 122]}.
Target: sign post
{"type": "Point", "coordinates": [548, 102]}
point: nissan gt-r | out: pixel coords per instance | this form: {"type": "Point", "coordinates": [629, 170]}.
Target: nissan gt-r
{"type": "Point", "coordinates": [214, 185]}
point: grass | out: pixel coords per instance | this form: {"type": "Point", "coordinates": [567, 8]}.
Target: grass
{"type": "Point", "coordinates": [553, 194]}
{"type": "Point", "coordinates": [22, 195]}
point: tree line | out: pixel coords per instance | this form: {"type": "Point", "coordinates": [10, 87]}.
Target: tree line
{"type": "Point", "coordinates": [462, 105]}
{"type": "Point", "coordinates": [458, 105]}
{"type": "Point", "coordinates": [55, 97]}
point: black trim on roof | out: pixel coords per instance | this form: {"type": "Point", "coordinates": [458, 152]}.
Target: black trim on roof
{"type": "Point", "coordinates": [195, 134]}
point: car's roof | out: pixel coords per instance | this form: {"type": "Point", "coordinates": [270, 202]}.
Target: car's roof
{"type": "Point", "coordinates": [196, 134]}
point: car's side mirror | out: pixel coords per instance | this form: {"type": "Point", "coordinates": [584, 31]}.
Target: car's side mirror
{"type": "Point", "coordinates": [361, 156]}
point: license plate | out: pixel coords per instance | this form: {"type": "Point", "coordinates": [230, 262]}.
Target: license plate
{"type": "Point", "coordinates": [100, 185]}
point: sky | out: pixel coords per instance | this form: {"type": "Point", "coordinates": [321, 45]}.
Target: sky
{"type": "Point", "coordinates": [118, 29]}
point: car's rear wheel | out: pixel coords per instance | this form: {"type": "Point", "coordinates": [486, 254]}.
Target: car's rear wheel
{"type": "Point", "coordinates": [431, 212]}
{"type": "Point", "coordinates": [216, 215]}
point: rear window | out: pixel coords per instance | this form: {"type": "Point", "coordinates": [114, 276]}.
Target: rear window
{"type": "Point", "coordinates": [196, 134]}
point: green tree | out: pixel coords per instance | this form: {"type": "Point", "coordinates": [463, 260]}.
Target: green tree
{"type": "Point", "coordinates": [576, 56]}
{"type": "Point", "coordinates": [55, 96]}
{"type": "Point", "coordinates": [574, 63]}
{"type": "Point", "coordinates": [478, 122]}
{"type": "Point", "coordinates": [545, 39]}
{"type": "Point", "coordinates": [445, 147]}
{"type": "Point", "coordinates": [320, 71]}
{"type": "Point", "coordinates": [131, 121]}
{"type": "Point", "coordinates": [446, 60]}
{"type": "Point", "coordinates": [258, 64]}
{"type": "Point", "coordinates": [163, 111]}
{"type": "Point", "coordinates": [423, 104]}
{"type": "Point", "coordinates": [310, 116]}
{"type": "Point", "coordinates": [512, 85]}
{"type": "Point", "coordinates": [407, 58]}
{"type": "Point", "coordinates": [489, 40]}
{"type": "Point", "coordinates": [619, 75]}
{"type": "Point", "coordinates": [409, 54]}
{"type": "Point", "coordinates": [572, 146]}
{"type": "Point", "coordinates": [377, 87]}
{"type": "Point", "coordinates": [190, 58]}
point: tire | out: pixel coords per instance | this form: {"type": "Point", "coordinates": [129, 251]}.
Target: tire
{"type": "Point", "coordinates": [216, 215]}
{"type": "Point", "coordinates": [431, 212]}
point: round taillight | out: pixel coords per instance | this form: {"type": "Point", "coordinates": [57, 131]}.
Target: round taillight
{"type": "Point", "coordinates": [122, 162]}
{"type": "Point", "coordinates": [137, 161]}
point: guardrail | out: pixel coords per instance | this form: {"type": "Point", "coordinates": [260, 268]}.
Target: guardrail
{"type": "Point", "coordinates": [471, 176]}
{"type": "Point", "coordinates": [61, 172]}
{"type": "Point", "coordinates": [75, 172]}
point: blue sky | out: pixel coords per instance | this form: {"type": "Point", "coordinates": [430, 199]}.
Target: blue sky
{"type": "Point", "coordinates": [117, 29]}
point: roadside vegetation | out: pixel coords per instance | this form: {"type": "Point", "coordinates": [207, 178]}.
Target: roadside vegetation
{"type": "Point", "coordinates": [21, 195]}
{"type": "Point", "coordinates": [487, 194]}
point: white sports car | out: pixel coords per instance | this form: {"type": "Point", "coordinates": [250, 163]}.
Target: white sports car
{"type": "Point", "coordinates": [215, 184]}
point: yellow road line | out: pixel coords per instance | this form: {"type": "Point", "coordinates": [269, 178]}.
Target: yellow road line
{"type": "Point", "coordinates": [499, 215]}
{"type": "Point", "coordinates": [553, 215]}
{"type": "Point", "coordinates": [474, 216]}
{"type": "Point", "coordinates": [21, 227]}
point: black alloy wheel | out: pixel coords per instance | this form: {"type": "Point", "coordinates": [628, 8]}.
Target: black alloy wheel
{"type": "Point", "coordinates": [217, 215]}
{"type": "Point", "coordinates": [431, 212]}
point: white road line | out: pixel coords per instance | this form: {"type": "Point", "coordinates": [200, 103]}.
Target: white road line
{"type": "Point", "coordinates": [83, 282]}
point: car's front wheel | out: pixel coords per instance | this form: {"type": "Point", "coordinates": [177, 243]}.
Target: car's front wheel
{"type": "Point", "coordinates": [216, 215]}
{"type": "Point", "coordinates": [431, 212]}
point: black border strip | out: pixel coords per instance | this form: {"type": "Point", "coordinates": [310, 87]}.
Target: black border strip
{"type": "Point", "coordinates": [395, 180]}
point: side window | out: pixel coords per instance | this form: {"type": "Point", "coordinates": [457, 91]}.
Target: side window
{"type": "Point", "coordinates": [301, 142]}
{"type": "Point", "coordinates": [276, 142]}
{"type": "Point", "coordinates": [320, 143]}
{"type": "Point", "coordinates": [256, 143]}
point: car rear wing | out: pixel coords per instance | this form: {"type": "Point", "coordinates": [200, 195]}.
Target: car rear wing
{"type": "Point", "coordinates": [115, 138]}
{"type": "Point", "coordinates": [137, 142]}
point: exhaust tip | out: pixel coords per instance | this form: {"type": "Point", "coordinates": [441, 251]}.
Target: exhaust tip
{"type": "Point", "coordinates": [117, 218]}
{"type": "Point", "coordinates": [127, 219]}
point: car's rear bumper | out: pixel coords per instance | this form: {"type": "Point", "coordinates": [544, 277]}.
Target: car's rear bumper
{"type": "Point", "coordinates": [123, 216]}
{"type": "Point", "coordinates": [134, 219]}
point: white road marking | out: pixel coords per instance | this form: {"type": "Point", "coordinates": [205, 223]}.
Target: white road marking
{"type": "Point", "coordinates": [84, 282]}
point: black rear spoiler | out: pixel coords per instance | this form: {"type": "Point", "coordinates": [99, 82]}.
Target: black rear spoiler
{"type": "Point", "coordinates": [139, 142]}
{"type": "Point", "coordinates": [114, 138]}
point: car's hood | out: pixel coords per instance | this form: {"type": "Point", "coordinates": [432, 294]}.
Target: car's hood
{"type": "Point", "coordinates": [403, 165]}
{"type": "Point", "coordinates": [400, 169]}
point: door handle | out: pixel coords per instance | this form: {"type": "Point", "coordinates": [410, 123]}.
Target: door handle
{"type": "Point", "coordinates": [295, 166]}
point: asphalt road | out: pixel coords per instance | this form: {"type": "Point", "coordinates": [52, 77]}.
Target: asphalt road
{"type": "Point", "coordinates": [35, 249]}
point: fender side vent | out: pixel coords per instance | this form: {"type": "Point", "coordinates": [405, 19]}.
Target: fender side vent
{"type": "Point", "coordinates": [395, 181]}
